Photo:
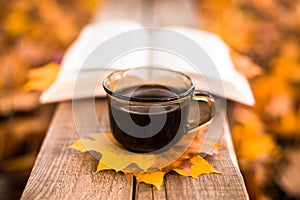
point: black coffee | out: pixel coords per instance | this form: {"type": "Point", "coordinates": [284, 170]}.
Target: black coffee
{"type": "Point", "coordinates": [150, 138]}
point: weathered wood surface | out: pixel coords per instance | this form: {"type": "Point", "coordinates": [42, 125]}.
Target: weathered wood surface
{"type": "Point", "coordinates": [63, 173]}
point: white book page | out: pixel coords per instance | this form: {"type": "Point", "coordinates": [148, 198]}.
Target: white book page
{"type": "Point", "coordinates": [75, 61]}
{"type": "Point", "coordinates": [235, 86]}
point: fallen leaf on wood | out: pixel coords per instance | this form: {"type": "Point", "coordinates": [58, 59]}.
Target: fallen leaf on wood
{"type": "Point", "coordinates": [190, 163]}
{"type": "Point", "coordinates": [199, 166]}
{"type": "Point", "coordinates": [155, 178]}
{"type": "Point", "coordinates": [121, 159]}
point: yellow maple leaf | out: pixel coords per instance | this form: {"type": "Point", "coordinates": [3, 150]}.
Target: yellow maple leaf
{"type": "Point", "coordinates": [119, 158]}
{"type": "Point", "coordinates": [155, 178]}
{"type": "Point", "coordinates": [143, 166]}
{"type": "Point", "coordinates": [102, 167]}
{"type": "Point", "coordinates": [199, 166]}
{"type": "Point", "coordinates": [41, 78]}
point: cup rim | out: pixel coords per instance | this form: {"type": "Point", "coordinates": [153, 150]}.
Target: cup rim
{"type": "Point", "coordinates": [134, 99]}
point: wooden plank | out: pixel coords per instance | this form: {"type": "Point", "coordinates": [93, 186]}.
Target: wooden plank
{"type": "Point", "coordinates": [159, 194]}
{"type": "Point", "coordinates": [62, 173]}
{"type": "Point", "coordinates": [144, 192]}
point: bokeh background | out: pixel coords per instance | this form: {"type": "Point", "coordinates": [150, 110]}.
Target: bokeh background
{"type": "Point", "coordinates": [264, 37]}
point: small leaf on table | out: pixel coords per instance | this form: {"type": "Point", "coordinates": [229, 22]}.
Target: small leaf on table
{"type": "Point", "coordinates": [143, 166]}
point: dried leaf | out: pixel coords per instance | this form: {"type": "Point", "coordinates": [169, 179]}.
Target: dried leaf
{"type": "Point", "coordinates": [199, 166]}
{"type": "Point", "coordinates": [102, 167]}
{"type": "Point", "coordinates": [155, 178]}
{"type": "Point", "coordinates": [138, 165]}
{"type": "Point", "coordinates": [121, 159]}
{"type": "Point", "coordinates": [195, 167]}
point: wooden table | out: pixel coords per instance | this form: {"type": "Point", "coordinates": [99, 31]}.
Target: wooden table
{"type": "Point", "coordinates": [63, 173]}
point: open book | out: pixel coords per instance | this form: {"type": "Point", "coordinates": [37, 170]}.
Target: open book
{"type": "Point", "coordinates": [234, 85]}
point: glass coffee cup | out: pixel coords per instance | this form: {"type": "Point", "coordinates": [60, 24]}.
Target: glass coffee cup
{"type": "Point", "coordinates": [149, 107]}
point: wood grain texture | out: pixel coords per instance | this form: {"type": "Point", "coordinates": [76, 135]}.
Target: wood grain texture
{"type": "Point", "coordinates": [63, 173]}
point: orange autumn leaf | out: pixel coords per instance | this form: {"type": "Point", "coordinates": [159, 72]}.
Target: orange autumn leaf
{"type": "Point", "coordinates": [102, 167]}
{"type": "Point", "coordinates": [138, 165]}
{"type": "Point", "coordinates": [41, 78]}
{"type": "Point", "coordinates": [120, 159]}
{"type": "Point", "coordinates": [155, 178]}
{"type": "Point", "coordinates": [199, 166]}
